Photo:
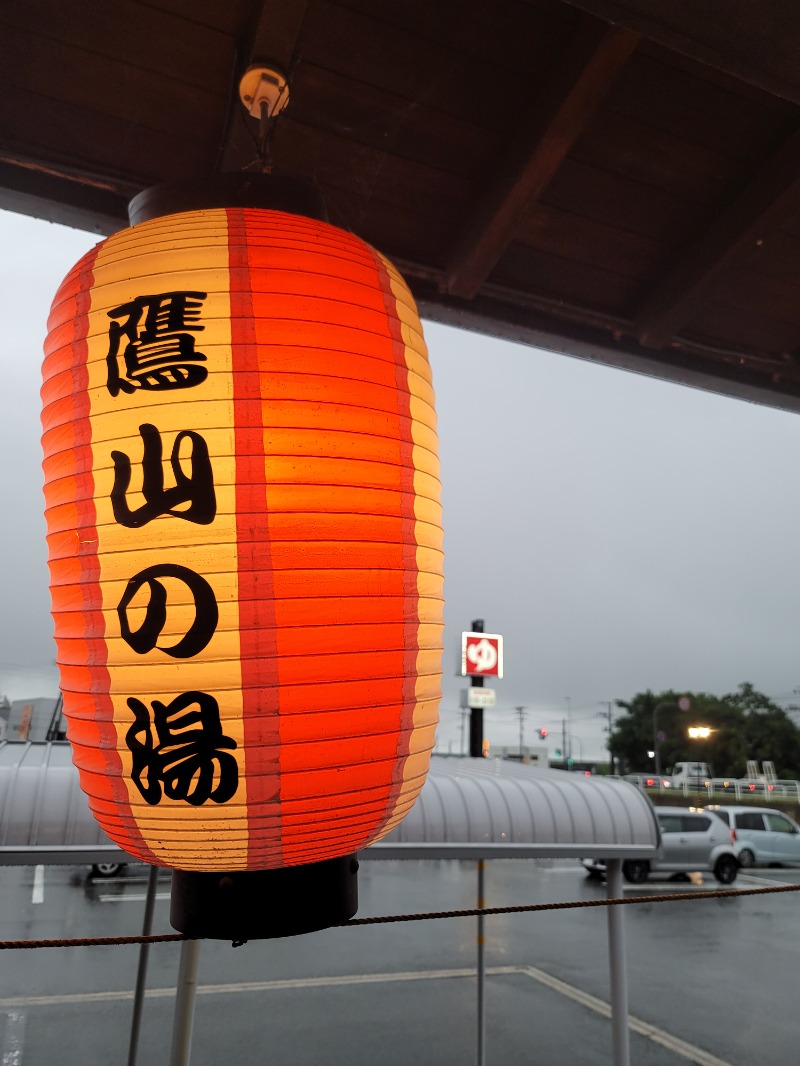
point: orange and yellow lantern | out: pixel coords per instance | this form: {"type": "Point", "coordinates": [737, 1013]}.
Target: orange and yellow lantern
{"type": "Point", "coordinates": [244, 531]}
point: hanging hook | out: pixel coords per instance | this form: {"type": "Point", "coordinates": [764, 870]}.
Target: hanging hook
{"type": "Point", "coordinates": [264, 92]}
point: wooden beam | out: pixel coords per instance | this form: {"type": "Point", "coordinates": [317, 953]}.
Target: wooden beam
{"type": "Point", "coordinates": [740, 229]}
{"type": "Point", "coordinates": [44, 192]}
{"type": "Point", "coordinates": [754, 43]}
{"type": "Point", "coordinates": [594, 59]}
{"type": "Point", "coordinates": [272, 39]}
{"type": "Point", "coordinates": [753, 380]}
{"type": "Point", "coordinates": [276, 34]}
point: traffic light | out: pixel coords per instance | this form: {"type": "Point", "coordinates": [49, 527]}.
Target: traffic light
{"type": "Point", "coordinates": [543, 733]}
{"type": "Point", "coordinates": [557, 753]}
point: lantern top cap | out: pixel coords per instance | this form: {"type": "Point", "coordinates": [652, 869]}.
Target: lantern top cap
{"type": "Point", "coordinates": [272, 192]}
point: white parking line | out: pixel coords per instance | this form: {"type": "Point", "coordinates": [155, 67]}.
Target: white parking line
{"type": "Point", "coordinates": [79, 998]}
{"type": "Point", "coordinates": [14, 1038]}
{"type": "Point", "coordinates": [754, 879]}
{"type": "Point", "coordinates": [688, 1051]}
{"type": "Point", "coordinates": [697, 1055]}
{"type": "Point", "coordinates": [37, 896]}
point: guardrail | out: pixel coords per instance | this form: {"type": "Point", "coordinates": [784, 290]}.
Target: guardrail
{"type": "Point", "coordinates": [740, 788]}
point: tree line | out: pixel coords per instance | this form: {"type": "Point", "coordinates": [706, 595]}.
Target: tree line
{"type": "Point", "coordinates": [743, 725]}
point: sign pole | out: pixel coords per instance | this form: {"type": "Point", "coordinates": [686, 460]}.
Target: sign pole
{"type": "Point", "coordinates": [476, 713]}
{"type": "Point", "coordinates": [481, 657]}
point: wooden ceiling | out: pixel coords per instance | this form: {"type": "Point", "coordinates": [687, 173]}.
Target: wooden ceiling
{"type": "Point", "coordinates": [616, 180]}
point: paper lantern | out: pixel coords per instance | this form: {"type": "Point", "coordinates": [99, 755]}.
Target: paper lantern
{"type": "Point", "coordinates": [245, 540]}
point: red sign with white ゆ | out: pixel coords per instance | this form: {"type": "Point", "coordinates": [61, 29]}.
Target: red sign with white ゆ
{"type": "Point", "coordinates": [481, 655]}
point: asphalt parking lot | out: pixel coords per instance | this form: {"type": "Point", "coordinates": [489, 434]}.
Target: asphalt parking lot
{"type": "Point", "coordinates": [406, 993]}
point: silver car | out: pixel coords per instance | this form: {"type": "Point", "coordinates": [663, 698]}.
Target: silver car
{"type": "Point", "coordinates": [762, 836]}
{"type": "Point", "coordinates": [691, 840]}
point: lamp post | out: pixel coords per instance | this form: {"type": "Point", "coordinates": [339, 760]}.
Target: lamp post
{"type": "Point", "coordinates": [656, 741]}
{"type": "Point", "coordinates": [682, 704]}
{"type": "Point", "coordinates": [573, 739]}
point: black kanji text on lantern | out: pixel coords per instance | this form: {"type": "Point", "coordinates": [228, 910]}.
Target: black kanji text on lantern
{"type": "Point", "coordinates": [179, 750]}
{"type": "Point", "coordinates": [153, 340]}
{"type": "Point", "coordinates": [195, 488]}
{"type": "Point", "coordinates": [145, 638]}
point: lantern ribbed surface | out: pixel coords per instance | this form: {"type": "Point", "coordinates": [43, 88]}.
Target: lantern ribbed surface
{"type": "Point", "coordinates": [244, 529]}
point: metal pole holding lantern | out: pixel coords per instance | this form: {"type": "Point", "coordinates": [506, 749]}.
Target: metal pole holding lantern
{"type": "Point", "coordinates": [185, 992]}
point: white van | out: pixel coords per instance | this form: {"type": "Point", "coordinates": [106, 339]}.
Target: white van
{"type": "Point", "coordinates": [689, 773]}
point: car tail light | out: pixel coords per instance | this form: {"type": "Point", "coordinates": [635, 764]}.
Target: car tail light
{"type": "Point", "coordinates": [752, 788]}
{"type": "Point", "coordinates": [733, 836]}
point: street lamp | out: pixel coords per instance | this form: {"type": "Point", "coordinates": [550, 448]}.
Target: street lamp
{"type": "Point", "coordinates": [577, 740]}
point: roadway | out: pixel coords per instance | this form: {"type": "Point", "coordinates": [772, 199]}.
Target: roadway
{"type": "Point", "coordinates": [700, 975]}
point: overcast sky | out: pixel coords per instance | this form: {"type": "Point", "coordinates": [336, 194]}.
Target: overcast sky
{"type": "Point", "coordinates": [621, 533]}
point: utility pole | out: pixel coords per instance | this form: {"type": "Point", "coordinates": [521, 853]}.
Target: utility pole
{"type": "Point", "coordinates": [568, 749]}
{"type": "Point", "coordinates": [521, 712]}
{"type": "Point", "coordinates": [464, 714]}
{"type": "Point", "coordinates": [609, 715]}
{"type": "Point", "coordinates": [564, 741]}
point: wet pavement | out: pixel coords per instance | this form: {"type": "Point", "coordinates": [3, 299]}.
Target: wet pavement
{"type": "Point", "coordinates": [701, 973]}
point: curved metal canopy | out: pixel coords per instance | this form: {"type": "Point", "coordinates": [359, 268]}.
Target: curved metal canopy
{"type": "Point", "coordinates": [468, 808]}
{"type": "Point", "coordinates": [479, 808]}
{"type": "Point", "coordinates": [44, 815]}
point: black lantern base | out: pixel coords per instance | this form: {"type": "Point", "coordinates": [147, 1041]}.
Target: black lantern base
{"type": "Point", "coordinates": [261, 904]}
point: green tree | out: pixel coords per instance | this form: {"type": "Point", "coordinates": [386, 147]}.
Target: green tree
{"type": "Point", "coordinates": [633, 735]}
{"type": "Point", "coordinates": [744, 725]}
{"type": "Point", "coordinates": [769, 733]}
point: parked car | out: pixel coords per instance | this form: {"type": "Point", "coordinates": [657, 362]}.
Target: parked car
{"type": "Point", "coordinates": [691, 839]}
{"type": "Point", "coordinates": [107, 869]}
{"type": "Point", "coordinates": [762, 836]}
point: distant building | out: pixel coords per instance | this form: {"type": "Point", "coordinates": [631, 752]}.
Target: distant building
{"type": "Point", "coordinates": [37, 719]}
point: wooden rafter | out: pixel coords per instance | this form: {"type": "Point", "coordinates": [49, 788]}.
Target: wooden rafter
{"type": "Point", "coordinates": [741, 228]}
{"type": "Point", "coordinates": [593, 61]}
{"type": "Point", "coordinates": [748, 42]}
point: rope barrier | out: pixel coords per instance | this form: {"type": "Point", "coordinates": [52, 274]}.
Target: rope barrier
{"type": "Point", "coordinates": [92, 941]}
{"type": "Point", "coordinates": [473, 912]}
{"type": "Point", "coordinates": [575, 905]}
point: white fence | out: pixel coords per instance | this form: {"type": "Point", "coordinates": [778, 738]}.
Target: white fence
{"type": "Point", "coordinates": [740, 788]}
